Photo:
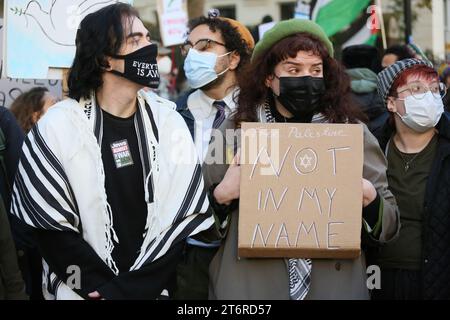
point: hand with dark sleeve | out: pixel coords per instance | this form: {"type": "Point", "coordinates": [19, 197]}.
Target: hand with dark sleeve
{"type": "Point", "coordinates": [63, 249]}
{"type": "Point", "coordinates": [148, 282]}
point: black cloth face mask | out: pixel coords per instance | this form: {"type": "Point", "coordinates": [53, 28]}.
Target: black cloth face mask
{"type": "Point", "coordinates": [301, 95]}
{"type": "Point", "coordinates": [141, 66]}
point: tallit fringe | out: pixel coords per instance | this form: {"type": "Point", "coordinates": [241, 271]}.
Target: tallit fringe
{"type": "Point", "coordinates": [110, 233]}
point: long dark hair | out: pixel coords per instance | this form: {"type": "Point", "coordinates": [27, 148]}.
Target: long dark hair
{"type": "Point", "coordinates": [337, 102]}
{"type": "Point", "coordinates": [100, 34]}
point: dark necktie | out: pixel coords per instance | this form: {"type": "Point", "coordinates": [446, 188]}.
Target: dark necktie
{"type": "Point", "coordinates": [220, 115]}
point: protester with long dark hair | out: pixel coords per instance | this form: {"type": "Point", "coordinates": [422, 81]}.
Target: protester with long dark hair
{"type": "Point", "coordinates": [100, 178]}
{"type": "Point", "coordinates": [294, 78]}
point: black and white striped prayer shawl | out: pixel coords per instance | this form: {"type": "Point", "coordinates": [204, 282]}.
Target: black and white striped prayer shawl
{"type": "Point", "coordinates": [387, 77]}
{"type": "Point", "coordinates": [60, 183]}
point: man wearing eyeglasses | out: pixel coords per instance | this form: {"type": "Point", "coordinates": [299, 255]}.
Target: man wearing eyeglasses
{"type": "Point", "coordinates": [416, 141]}
{"type": "Point", "coordinates": [217, 51]}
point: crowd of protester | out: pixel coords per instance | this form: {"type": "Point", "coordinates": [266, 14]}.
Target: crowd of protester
{"type": "Point", "coordinates": [92, 182]}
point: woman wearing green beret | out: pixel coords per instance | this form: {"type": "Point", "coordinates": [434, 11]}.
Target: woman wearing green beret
{"type": "Point", "coordinates": [294, 78]}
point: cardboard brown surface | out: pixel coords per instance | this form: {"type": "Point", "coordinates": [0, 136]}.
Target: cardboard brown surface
{"type": "Point", "coordinates": [301, 190]}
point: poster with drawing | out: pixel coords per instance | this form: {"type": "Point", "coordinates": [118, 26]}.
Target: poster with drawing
{"type": "Point", "coordinates": [11, 88]}
{"type": "Point", "coordinates": [301, 190]}
{"type": "Point", "coordinates": [40, 34]}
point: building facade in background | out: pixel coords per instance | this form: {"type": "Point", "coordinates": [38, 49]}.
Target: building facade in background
{"type": "Point", "coordinates": [430, 28]}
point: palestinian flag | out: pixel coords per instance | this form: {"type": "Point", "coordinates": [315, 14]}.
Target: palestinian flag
{"type": "Point", "coordinates": [347, 20]}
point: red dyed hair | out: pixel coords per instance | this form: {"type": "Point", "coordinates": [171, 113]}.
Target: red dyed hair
{"type": "Point", "coordinates": [420, 71]}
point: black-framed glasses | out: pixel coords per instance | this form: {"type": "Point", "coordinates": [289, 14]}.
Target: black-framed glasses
{"type": "Point", "coordinates": [200, 45]}
{"type": "Point", "coordinates": [418, 89]}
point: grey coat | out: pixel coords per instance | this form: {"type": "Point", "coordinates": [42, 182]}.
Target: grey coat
{"type": "Point", "coordinates": [232, 277]}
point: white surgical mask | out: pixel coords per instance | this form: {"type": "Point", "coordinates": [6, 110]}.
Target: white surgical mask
{"type": "Point", "coordinates": [422, 114]}
{"type": "Point", "coordinates": [200, 68]}
{"type": "Point", "coordinates": [165, 65]}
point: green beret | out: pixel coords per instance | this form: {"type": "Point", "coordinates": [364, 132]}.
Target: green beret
{"type": "Point", "coordinates": [288, 28]}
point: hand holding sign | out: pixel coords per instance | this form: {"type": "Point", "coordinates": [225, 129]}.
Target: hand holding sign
{"type": "Point", "coordinates": [369, 193]}
{"type": "Point", "coordinates": [229, 189]}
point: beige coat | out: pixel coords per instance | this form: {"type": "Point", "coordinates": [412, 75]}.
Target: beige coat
{"type": "Point", "coordinates": [232, 277]}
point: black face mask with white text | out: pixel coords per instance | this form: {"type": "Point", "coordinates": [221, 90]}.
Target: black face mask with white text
{"type": "Point", "coordinates": [141, 66]}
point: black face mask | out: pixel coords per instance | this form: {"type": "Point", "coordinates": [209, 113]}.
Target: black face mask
{"type": "Point", "coordinates": [301, 95]}
{"type": "Point", "coordinates": [141, 66]}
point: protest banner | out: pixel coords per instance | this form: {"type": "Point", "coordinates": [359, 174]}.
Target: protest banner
{"type": "Point", "coordinates": [301, 190]}
{"type": "Point", "coordinates": [173, 19]}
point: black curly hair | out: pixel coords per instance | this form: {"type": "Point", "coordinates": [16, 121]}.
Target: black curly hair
{"type": "Point", "coordinates": [100, 34]}
{"type": "Point", "coordinates": [231, 36]}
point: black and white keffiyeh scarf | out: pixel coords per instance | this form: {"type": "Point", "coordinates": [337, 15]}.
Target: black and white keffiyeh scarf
{"type": "Point", "coordinates": [299, 270]}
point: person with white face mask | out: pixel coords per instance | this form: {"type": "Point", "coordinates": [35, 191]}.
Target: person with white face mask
{"type": "Point", "coordinates": [165, 64]}
{"type": "Point", "coordinates": [417, 146]}
{"type": "Point", "coordinates": [217, 50]}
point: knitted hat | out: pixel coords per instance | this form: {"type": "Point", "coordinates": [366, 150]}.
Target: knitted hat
{"type": "Point", "coordinates": [288, 28]}
{"type": "Point", "coordinates": [387, 77]}
{"type": "Point", "coordinates": [240, 28]}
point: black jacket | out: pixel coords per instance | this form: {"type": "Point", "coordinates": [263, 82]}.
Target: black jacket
{"type": "Point", "coordinates": [13, 141]}
{"type": "Point", "coordinates": [11, 283]}
{"type": "Point", "coordinates": [372, 105]}
{"type": "Point", "coordinates": [14, 138]}
{"type": "Point", "coordinates": [364, 91]}
{"type": "Point", "coordinates": [436, 223]}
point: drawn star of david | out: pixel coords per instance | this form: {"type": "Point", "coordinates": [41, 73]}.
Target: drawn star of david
{"type": "Point", "coordinates": [305, 161]}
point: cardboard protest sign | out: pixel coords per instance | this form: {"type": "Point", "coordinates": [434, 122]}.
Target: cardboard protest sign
{"type": "Point", "coordinates": [301, 190]}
